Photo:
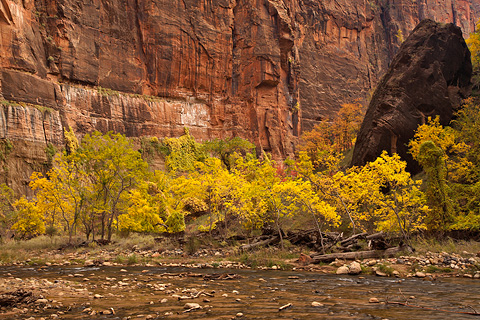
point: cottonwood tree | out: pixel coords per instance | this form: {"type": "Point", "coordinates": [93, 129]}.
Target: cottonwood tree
{"type": "Point", "coordinates": [113, 167]}
{"type": "Point", "coordinates": [88, 185]}
{"type": "Point", "coordinates": [62, 196]}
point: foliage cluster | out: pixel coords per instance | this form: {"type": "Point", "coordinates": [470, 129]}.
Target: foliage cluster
{"type": "Point", "coordinates": [450, 158]}
{"type": "Point", "coordinates": [327, 142]}
{"type": "Point", "coordinates": [102, 185]}
{"type": "Point", "coordinates": [6, 147]}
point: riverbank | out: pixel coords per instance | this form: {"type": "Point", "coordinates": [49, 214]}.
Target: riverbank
{"type": "Point", "coordinates": [431, 258]}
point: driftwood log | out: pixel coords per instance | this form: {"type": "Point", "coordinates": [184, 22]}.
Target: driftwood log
{"type": "Point", "coordinates": [353, 239]}
{"type": "Point", "coordinates": [359, 254]}
{"type": "Point", "coordinates": [375, 236]}
{"type": "Point", "coordinates": [262, 243]}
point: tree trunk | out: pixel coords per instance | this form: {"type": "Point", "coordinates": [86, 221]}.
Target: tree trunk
{"type": "Point", "coordinates": [360, 254]}
{"type": "Point", "coordinates": [263, 243]}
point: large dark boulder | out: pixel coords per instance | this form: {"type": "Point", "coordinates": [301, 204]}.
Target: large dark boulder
{"type": "Point", "coordinates": [429, 76]}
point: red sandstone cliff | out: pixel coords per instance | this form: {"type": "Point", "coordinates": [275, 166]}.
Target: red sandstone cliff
{"type": "Point", "coordinates": [260, 69]}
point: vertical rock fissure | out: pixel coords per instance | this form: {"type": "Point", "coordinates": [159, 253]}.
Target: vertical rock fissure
{"type": "Point", "coordinates": [141, 44]}
{"type": "Point", "coordinates": [454, 13]}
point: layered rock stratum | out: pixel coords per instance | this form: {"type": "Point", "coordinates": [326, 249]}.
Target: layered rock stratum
{"type": "Point", "coordinates": [261, 69]}
{"type": "Point", "coordinates": [429, 77]}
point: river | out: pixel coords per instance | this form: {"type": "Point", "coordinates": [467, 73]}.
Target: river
{"type": "Point", "coordinates": [137, 292]}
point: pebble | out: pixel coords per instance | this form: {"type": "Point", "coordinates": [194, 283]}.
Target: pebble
{"type": "Point", "coordinates": [373, 300]}
{"type": "Point", "coordinates": [380, 273]}
{"type": "Point", "coordinates": [41, 301]}
{"type": "Point", "coordinates": [354, 268]}
{"type": "Point", "coordinates": [191, 305]}
{"type": "Point", "coordinates": [317, 304]}
{"type": "Point", "coordinates": [342, 270]}
{"type": "Point", "coordinates": [420, 274]}
{"type": "Point", "coordinates": [239, 315]}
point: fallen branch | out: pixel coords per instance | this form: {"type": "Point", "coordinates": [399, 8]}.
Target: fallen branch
{"type": "Point", "coordinates": [263, 243]}
{"type": "Point", "coordinates": [359, 254]}
{"type": "Point", "coordinates": [353, 238]}
{"type": "Point", "coordinates": [378, 235]}
{"type": "Point", "coordinates": [288, 305]}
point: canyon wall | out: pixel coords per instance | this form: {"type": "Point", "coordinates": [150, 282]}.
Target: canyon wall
{"type": "Point", "coordinates": [261, 69]}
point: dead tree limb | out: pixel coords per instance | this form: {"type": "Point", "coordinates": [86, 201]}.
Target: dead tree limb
{"type": "Point", "coordinates": [263, 243]}
{"type": "Point", "coordinates": [359, 254]}
{"type": "Point", "coordinates": [353, 238]}
{"type": "Point", "coordinates": [374, 236]}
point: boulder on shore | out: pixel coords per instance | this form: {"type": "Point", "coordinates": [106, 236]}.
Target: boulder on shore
{"type": "Point", "coordinates": [429, 77]}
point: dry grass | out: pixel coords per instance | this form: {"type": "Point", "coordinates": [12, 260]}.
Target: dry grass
{"type": "Point", "coordinates": [38, 243]}
{"type": "Point", "coordinates": [462, 247]}
{"type": "Point", "coordinates": [139, 241]}
{"type": "Point", "coordinates": [19, 251]}
{"type": "Point", "coordinates": [268, 257]}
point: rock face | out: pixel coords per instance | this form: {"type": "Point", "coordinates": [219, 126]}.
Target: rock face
{"type": "Point", "coordinates": [261, 69]}
{"type": "Point", "coordinates": [429, 76]}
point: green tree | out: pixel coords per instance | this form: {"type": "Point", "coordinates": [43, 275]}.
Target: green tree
{"type": "Point", "coordinates": [431, 159]}
{"type": "Point", "coordinates": [7, 199]}
{"type": "Point", "coordinates": [224, 149]}
{"type": "Point", "coordinates": [182, 153]}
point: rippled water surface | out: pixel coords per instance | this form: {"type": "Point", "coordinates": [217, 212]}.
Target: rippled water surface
{"type": "Point", "coordinates": [261, 294]}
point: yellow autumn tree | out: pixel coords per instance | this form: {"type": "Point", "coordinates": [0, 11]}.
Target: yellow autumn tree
{"type": "Point", "coordinates": [473, 43]}
{"type": "Point", "coordinates": [382, 196]}
{"type": "Point", "coordinates": [154, 206]}
{"type": "Point", "coordinates": [62, 196]}
{"type": "Point", "coordinates": [29, 220]}
{"type": "Point", "coordinates": [113, 168]}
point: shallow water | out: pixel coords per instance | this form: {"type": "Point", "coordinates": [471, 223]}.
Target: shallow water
{"type": "Point", "coordinates": [260, 294]}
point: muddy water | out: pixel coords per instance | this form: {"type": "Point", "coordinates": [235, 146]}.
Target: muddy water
{"type": "Point", "coordinates": [133, 292]}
